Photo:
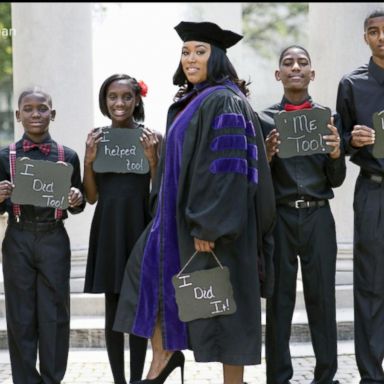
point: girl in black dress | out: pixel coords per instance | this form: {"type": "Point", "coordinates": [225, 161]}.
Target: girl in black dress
{"type": "Point", "coordinates": [121, 214]}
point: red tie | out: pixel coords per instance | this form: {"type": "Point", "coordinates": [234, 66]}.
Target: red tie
{"type": "Point", "coordinates": [44, 148]}
{"type": "Point", "coordinates": [290, 107]}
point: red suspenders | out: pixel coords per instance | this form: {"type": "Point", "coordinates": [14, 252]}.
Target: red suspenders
{"type": "Point", "coordinates": [12, 170]}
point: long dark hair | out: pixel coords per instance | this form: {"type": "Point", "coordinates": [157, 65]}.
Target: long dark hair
{"type": "Point", "coordinates": [138, 112]}
{"type": "Point", "coordinates": [219, 70]}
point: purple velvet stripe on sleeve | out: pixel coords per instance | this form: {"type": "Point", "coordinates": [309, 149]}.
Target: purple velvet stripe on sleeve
{"type": "Point", "coordinates": [252, 151]}
{"type": "Point", "coordinates": [227, 165]}
{"type": "Point", "coordinates": [222, 143]}
{"type": "Point", "coordinates": [229, 120]}
{"type": "Point", "coordinates": [253, 175]}
{"type": "Point", "coordinates": [250, 129]}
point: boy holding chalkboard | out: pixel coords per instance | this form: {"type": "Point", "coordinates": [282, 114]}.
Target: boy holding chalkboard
{"type": "Point", "coordinates": [305, 227]}
{"type": "Point", "coordinates": [360, 97]}
{"type": "Point", "coordinates": [36, 252]}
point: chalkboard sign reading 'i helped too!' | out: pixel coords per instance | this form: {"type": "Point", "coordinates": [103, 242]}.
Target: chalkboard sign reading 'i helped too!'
{"type": "Point", "coordinates": [120, 151]}
{"type": "Point", "coordinates": [301, 132]}
{"type": "Point", "coordinates": [42, 183]}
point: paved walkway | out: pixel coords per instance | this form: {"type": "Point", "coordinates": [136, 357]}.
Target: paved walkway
{"type": "Point", "coordinates": [87, 366]}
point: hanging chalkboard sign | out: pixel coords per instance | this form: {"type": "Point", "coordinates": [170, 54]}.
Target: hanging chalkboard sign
{"type": "Point", "coordinates": [301, 132]}
{"type": "Point", "coordinates": [203, 294]}
{"type": "Point", "coordinates": [120, 151]}
{"type": "Point", "coordinates": [378, 126]}
{"type": "Point", "coordinates": [42, 183]}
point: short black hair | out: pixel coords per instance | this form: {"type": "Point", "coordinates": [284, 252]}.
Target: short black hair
{"type": "Point", "coordinates": [219, 69]}
{"type": "Point", "coordinates": [138, 113]}
{"type": "Point", "coordinates": [32, 90]}
{"type": "Point", "coordinates": [283, 52]}
{"type": "Point", "coordinates": [372, 15]}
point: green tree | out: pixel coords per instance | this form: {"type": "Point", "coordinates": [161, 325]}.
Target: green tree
{"type": "Point", "coordinates": [5, 41]}
{"type": "Point", "coordinates": [6, 118]}
{"type": "Point", "coordinates": [269, 27]}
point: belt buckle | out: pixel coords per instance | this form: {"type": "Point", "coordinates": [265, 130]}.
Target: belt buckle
{"type": "Point", "coordinates": [377, 178]}
{"type": "Point", "coordinates": [297, 202]}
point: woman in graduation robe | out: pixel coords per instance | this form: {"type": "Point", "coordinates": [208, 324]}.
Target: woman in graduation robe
{"type": "Point", "coordinates": [214, 192]}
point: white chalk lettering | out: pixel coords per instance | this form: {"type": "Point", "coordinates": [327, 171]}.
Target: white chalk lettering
{"type": "Point", "coordinates": [201, 293]}
{"type": "Point", "coordinates": [305, 145]}
{"type": "Point", "coordinates": [52, 203]}
{"type": "Point", "coordinates": [300, 124]}
{"type": "Point", "coordinates": [132, 166]}
{"type": "Point", "coordinates": [26, 170]}
{"type": "Point", "coordinates": [116, 151]}
{"type": "Point", "coordinates": [217, 308]}
{"type": "Point", "coordinates": [185, 283]}
{"type": "Point", "coordinates": [39, 185]}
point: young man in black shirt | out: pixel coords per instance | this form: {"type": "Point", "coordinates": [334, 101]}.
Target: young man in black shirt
{"type": "Point", "coordinates": [360, 95]}
{"type": "Point", "coordinates": [305, 228]}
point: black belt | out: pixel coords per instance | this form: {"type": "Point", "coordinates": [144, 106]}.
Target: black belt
{"type": "Point", "coordinates": [305, 203]}
{"type": "Point", "coordinates": [36, 226]}
{"type": "Point", "coordinates": [372, 176]}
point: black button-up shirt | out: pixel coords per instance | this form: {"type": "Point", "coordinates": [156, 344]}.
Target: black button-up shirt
{"type": "Point", "coordinates": [360, 95]}
{"type": "Point", "coordinates": [30, 212]}
{"type": "Point", "coordinates": [303, 177]}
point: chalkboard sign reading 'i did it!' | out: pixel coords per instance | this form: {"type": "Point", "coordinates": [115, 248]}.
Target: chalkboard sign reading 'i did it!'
{"type": "Point", "coordinates": [203, 294]}
{"type": "Point", "coordinates": [301, 132]}
{"type": "Point", "coordinates": [120, 151]}
{"type": "Point", "coordinates": [42, 183]}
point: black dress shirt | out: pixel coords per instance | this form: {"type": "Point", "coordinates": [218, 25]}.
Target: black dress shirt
{"type": "Point", "coordinates": [30, 212]}
{"type": "Point", "coordinates": [360, 95]}
{"type": "Point", "coordinates": [309, 177]}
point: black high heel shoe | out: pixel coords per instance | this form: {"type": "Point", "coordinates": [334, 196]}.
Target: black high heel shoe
{"type": "Point", "coordinates": [176, 360]}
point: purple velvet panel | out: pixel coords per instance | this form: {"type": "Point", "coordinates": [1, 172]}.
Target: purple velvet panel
{"type": "Point", "coordinates": [229, 120]}
{"type": "Point", "coordinates": [253, 175]}
{"type": "Point", "coordinates": [252, 151]}
{"type": "Point", "coordinates": [228, 165]}
{"type": "Point", "coordinates": [149, 283]}
{"type": "Point", "coordinates": [222, 143]}
{"type": "Point", "coordinates": [250, 129]}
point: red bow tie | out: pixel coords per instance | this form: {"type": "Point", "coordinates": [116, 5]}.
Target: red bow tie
{"type": "Point", "coordinates": [44, 148]}
{"type": "Point", "coordinates": [291, 107]}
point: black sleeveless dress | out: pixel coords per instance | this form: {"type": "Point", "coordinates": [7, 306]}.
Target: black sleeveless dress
{"type": "Point", "coordinates": [121, 215]}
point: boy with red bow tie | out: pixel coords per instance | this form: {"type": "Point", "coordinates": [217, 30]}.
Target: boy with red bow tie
{"type": "Point", "coordinates": [36, 253]}
{"type": "Point", "coordinates": [304, 227]}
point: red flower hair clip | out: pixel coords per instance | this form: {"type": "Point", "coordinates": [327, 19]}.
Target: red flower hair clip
{"type": "Point", "coordinates": [143, 88]}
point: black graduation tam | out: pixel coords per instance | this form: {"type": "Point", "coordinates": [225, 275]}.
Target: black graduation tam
{"type": "Point", "coordinates": [207, 32]}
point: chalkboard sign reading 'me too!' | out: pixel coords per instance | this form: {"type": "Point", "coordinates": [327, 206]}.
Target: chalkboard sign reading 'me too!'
{"type": "Point", "coordinates": [120, 151]}
{"type": "Point", "coordinates": [301, 132]}
{"type": "Point", "coordinates": [42, 183]}
{"type": "Point", "coordinates": [378, 126]}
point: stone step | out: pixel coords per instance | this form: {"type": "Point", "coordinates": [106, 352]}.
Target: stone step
{"type": "Point", "coordinates": [93, 304]}
{"type": "Point", "coordinates": [88, 331]}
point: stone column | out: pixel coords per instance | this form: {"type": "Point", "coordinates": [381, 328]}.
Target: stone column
{"type": "Point", "coordinates": [52, 48]}
{"type": "Point", "coordinates": [337, 46]}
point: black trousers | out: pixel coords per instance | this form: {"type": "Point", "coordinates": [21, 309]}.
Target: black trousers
{"type": "Point", "coordinates": [368, 267]}
{"type": "Point", "coordinates": [309, 234]}
{"type": "Point", "coordinates": [36, 268]}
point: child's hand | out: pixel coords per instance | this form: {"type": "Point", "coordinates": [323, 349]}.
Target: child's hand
{"type": "Point", "coordinates": [333, 140]}
{"type": "Point", "coordinates": [6, 188]}
{"type": "Point", "coordinates": [272, 144]}
{"type": "Point", "coordinates": [75, 197]}
{"type": "Point", "coordinates": [93, 139]}
{"type": "Point", "coordinates": [150, 142]}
